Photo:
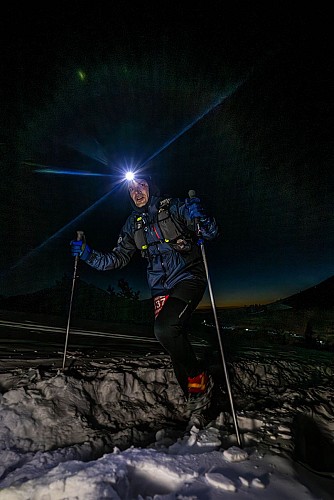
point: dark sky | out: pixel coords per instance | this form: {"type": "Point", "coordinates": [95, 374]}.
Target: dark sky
{"type": "Point", "coordinates": [235, 103]}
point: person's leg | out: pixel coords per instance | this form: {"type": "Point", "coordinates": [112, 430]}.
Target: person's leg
{"type": "Point", "coordinates": [170, 329]}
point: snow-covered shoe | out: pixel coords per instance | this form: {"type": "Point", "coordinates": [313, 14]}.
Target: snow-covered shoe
{"type": "Point", "coordinates": [200, 392]}
{"type": "Point", "coordinates": [197, 420]}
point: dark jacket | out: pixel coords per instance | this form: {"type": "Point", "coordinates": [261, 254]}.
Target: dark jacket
{"type": "Point", "coordinates": [167, 262]}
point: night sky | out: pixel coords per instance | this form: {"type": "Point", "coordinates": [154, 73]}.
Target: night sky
{"type": "Point", "coordinates": [234, 103]}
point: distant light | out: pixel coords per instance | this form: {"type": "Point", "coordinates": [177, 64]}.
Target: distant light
{"type": "Point", "coordinates": [82, 75]}
{"type": "Point", "coordinates": [129, 176]}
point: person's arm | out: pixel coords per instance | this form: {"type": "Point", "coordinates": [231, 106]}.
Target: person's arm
{"type": "Point", "coordinates": [105, 261]}
{"type": "Point", "coordinates": [117, 258]}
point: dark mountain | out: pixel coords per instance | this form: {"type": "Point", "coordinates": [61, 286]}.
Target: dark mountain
{"type": "Point", "coordinates": [318, 296]}
{"type": "Point", "coordinates": [89, 302]}
{"type": "Point", "coordinates": [93, 303]}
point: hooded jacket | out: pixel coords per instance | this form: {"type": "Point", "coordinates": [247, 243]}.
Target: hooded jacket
{"type": "Point", "coordinates": [167, 262]}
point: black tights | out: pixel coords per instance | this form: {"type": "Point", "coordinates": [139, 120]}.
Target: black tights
{"type": "Point", "coordinates": [170, 329]}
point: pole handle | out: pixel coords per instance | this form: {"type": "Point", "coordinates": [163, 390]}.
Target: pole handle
{"type": "Point", "coordinates": [80, 236]}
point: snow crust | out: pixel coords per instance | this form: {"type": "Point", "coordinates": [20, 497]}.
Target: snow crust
{"type": "Point", "coordinates": [117, 430]}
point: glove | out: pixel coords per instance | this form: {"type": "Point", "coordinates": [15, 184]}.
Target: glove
{"type": "Point", "coordinates": [80, 249]}
{"type": "Point", "coordinates": [195, 209]}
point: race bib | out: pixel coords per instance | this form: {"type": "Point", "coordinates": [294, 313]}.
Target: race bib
{"type": "Point", "coordinates": [159, 303]}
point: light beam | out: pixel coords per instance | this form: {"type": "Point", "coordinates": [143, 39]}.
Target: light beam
{"type": "Point", "coordinates": [163, 147]}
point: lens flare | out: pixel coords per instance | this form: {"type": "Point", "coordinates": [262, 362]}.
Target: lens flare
{"type": "Point", "coordinates": [129, 176]}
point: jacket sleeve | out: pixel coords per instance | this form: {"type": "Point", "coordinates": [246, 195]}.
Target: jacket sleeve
{"type": "Point", "coordinates": [119, 256]}
{"type": "Point", "coordinates": [208, 225]}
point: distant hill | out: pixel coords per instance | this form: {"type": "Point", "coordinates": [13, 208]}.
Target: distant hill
{"type": "Point", "coordinates": [318, 296]}
{"type": "Point", "coordinates": [89, 302]}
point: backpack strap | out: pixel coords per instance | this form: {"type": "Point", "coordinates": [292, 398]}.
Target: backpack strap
{"type": "Point", "coordinates": [167, 225]}
{"type": "Point", "coordinates": [139, 233]}
{"type": "Point", "coordinates": [178, 236]}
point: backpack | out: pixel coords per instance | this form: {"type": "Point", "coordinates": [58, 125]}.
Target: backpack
{"type": "Point", "coordinates": [178, 237]}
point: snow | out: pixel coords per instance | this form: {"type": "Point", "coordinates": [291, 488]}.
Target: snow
{"type": "Point", "coordinates": [116, 429]}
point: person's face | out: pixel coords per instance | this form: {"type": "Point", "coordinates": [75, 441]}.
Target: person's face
{"type": "Point", "coordinates": [139, 192]}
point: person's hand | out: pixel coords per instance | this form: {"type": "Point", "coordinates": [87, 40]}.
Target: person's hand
{"type": "Point", "coordinates": [79, 248]}
{"type": "Point", "coordinates": [195, 209]}
{"type": "Point", "coordinates": [76, 248]}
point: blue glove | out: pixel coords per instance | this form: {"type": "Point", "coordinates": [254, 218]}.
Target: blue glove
{"type": "Point", "coordinates": [195, 209]}
{"type": "Point", "coordinates": [80, 249]}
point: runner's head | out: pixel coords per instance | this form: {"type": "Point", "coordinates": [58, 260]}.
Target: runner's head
{"type": "Point", "coordinates": [141, 190]}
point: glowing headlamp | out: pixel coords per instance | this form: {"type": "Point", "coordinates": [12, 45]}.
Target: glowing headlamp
{"type": "Point", "coordinates": [132, 175]}
{"type": "Point", "coordinates": [129, 176]}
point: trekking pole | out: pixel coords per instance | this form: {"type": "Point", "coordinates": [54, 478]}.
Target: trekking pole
{"type": "Point", "coordinates": [80, 237]}
{"type": "Point", "coordinates": [192, 194]}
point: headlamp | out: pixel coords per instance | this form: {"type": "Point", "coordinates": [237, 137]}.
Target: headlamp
{"type": "Point", "coordinates": [129, 176]}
